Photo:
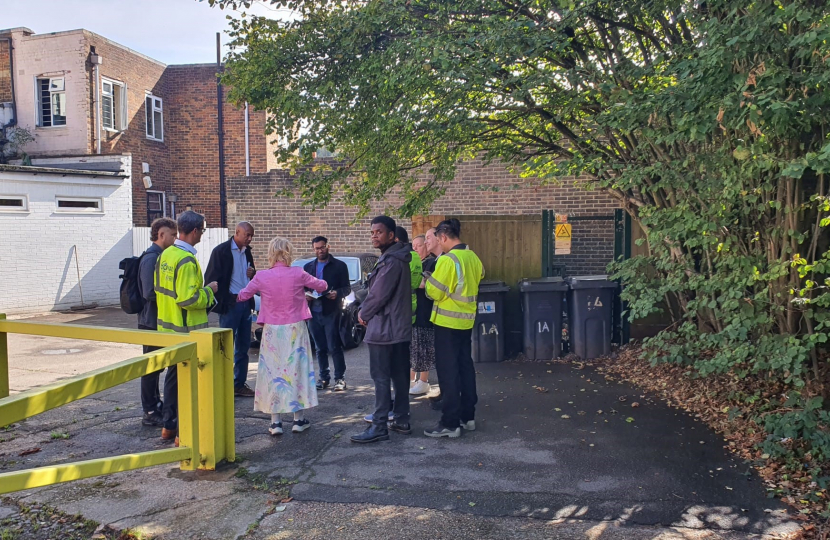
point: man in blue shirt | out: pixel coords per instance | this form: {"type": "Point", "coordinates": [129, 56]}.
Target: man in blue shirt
{"type": "Point", "coordinates": [325, 313]}
{"type": "Point", "coordinates": [232, 267]}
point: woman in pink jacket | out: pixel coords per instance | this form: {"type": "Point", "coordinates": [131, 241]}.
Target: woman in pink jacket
{"type": "Point", "coordinates": [285, 381]}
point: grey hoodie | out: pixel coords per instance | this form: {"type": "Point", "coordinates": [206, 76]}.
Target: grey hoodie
{"type": "Point", "coordinates": [387, 308]}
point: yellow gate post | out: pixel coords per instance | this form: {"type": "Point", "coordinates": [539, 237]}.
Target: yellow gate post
{"type": "Point", "coordinates": [214, 348]}
{"type": "Point", "coordinates": [188, 377]}
{"type": "Point", "coordinates": [4, 362]}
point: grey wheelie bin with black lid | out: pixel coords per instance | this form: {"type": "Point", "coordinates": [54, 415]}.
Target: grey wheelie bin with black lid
{"type": "Point", "coordinates": [542, 316]}
{"type": "Point", "coordinates": [590, 309]}
{"type": "Point", "coordinates": [489, 331]}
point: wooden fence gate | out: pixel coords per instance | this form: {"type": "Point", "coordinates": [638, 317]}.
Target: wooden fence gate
{"type": "Point", "coordinates": [509, 249]}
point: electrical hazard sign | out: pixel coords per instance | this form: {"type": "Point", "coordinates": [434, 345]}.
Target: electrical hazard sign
{"type": "Point", "coordinates": [563, 239]}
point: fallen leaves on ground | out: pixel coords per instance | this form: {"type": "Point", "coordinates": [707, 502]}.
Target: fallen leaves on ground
{"type": "Point", "coordinates": [712, 400]}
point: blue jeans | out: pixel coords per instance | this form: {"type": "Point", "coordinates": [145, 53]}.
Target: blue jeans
{"type": "Point", "coordinates": [238, 319]}
{"type": "Point", "coordinates": [325, 331]}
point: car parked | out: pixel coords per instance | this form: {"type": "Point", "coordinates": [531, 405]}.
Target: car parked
{"type": "Point", "coordinates": [351, 331]}
{"type": "Point", "coordinates": [359, 265]}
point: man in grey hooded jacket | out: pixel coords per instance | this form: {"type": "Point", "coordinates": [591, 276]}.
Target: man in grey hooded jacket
{"type": "Point", "coordinates": [387, 314]}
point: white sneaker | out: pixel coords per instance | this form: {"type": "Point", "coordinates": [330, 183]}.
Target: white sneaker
{"type": "Point", "coordinates": [275, 429]}
{"type": "Point", "coordinates": [419, 388]}
{"type": "Point", "coordinates": [469, 426]}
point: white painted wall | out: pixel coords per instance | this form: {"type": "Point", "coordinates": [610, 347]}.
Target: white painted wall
{"type": "Point", "coordinates": [52, 55]}
{"type": "Point", "coordinates": [211, 239]}
{"type": "Point", "coordinates": [37, 259]}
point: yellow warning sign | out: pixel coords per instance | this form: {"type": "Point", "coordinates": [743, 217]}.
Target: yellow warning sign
{"type": "Point", "coordinates": [562, 239]}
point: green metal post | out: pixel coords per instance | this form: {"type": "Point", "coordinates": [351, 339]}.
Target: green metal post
{"type": "Point", "coordinates": [545, 245]}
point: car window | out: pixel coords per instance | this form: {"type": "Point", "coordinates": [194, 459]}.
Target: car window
{"type": "Point", "coordinates": [352, 263]}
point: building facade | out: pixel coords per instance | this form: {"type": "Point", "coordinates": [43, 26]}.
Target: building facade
{"type": "Point", "coordinates": [65, 232]}
{"type": "Point", "coordinates": [79, 93]}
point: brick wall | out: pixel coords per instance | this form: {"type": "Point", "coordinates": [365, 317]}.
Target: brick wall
{"type": "Point", "coordinates": [5, 72]}
{"type": "Point", "coordinates": [477, 190]}
{"type": "Point", "coordinates": [194, 140]}
{"type": "Point", "coordinates": [141, 75]}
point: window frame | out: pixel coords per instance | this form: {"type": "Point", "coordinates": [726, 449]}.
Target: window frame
{"type": "Point", "coordinates": [39, 100]}
{"type": "Point", "coordinates": [119, 106]}
{"type": "Point", "coordinates": [149, 113]}
{"type": "Point", "coordinates": [24, 209]}
{"type": "Point", "coordinates": [79, 210]}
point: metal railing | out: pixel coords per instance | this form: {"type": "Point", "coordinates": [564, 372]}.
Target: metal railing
{"type": "Point", "coordinates": [205, 378]}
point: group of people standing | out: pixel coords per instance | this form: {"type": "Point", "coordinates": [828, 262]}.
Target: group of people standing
{"type": "Point", "coordinates": [419, 312]}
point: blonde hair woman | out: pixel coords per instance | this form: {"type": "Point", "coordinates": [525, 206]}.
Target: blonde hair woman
{"type": "Point", "coordinates": [285, 380]}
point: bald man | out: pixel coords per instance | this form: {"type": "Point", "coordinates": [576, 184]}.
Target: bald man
{"type": "Point", "coordinates": [232, 267]}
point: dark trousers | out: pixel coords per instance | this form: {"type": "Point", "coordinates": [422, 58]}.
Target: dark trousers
{"type": "Point", "coordinates": [389, 368]}
{"type": "Point", "coordinates": [325, 331]}
{"type": "Point", "coordinates": [238, 319]}
{"type": "Point", "coordinates": [456, 375]}
{"type": "Point", "coordinates": [150, 397]}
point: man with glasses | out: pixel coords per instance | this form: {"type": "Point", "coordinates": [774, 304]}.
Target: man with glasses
{"type": "Point", "coordinates": [182, 299]}
{"type": "Point", "coordinates": [324, 324]}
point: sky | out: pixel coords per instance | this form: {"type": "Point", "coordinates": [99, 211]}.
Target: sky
{"type": "Point", "coordinates": [171, 31]}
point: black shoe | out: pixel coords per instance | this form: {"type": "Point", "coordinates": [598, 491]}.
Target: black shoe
{"type": "Point", "coordinates": [436, 405]}
{"type": "Point", "coordinates": [373, 433]}
{"type": "Point", "coordinates": [152, 418]}
{"type": "Point", "coordinates": [244, 391]}
{"type": "Point", "coordinates": [300, 426]}
{"type": "Point", "coordinates": [321, 385]}
{"type": "Point", "coordinates": [441, 431]}
{"type": "Point", "coordinates": [400, 427]}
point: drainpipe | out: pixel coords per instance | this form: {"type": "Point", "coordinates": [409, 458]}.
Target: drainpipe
{"type": "Point", "coordinates": [247, 148]}
{"type": "Point", "coordinates": [13, 121]}
{"type": "Point", "coordinates": [95, 60]}
{"type": "Point", "coordinates": [223, 205]}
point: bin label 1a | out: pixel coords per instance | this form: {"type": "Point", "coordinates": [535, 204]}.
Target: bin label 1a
{"type": "Point", "coordinates": [542, 327]}
{"type": "Point", "coordinates": [486, 307]}
{"type": "Point", "coordinates": [492, 330]}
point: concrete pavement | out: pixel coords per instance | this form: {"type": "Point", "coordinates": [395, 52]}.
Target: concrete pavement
{"type": "Point", "coordinates": [559, 452]}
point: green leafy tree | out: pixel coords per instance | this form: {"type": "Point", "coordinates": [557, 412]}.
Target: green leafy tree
{"type": "Point", "coordinates": [707, 121]}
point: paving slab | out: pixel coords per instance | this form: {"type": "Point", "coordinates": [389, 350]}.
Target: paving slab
{"type": "Point", "coordinates": [555, 445]}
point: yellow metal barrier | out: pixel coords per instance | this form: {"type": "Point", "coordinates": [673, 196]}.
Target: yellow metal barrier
{"type": "Point", "coordinates": [205, 375]}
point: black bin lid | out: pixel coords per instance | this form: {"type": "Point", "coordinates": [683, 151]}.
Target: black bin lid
{"type": "Point", "coordinates": [492, 287]}
{"type": "Point", "coordinates": [544, 284]}
{"type": "Point", "coordinates": [591, 282]}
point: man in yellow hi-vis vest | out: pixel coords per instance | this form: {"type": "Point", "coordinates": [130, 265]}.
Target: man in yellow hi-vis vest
{"type": "Point", "coordinates": [182, 300]}
{"type": "Point", "coordinates": [454, 287]}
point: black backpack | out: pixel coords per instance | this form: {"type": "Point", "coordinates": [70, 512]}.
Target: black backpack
{"type": "Point", "coordinates": [131, 300]}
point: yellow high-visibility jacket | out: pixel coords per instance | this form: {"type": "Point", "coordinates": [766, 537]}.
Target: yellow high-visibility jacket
{"type": "Point", "coordinates": [181, 295]}
{"type": "Point", "coordinates": [453, 286]}
{"type": "Point", "coordinates": [415, 269]}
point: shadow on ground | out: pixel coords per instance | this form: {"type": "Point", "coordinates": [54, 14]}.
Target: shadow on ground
{"type": "Point", "coordinates": [560, 452]}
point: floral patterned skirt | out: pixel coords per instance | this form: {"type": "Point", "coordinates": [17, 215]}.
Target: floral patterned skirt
{"type": "Point", "coordinates": [285, 379]}
{"type": "Point", "coordinates": [422, 351]}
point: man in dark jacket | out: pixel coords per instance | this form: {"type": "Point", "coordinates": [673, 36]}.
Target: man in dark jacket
{"type": "Point", "coordinates": [162, 234]}
{"type": "Point", "coordinates": [325, 313]}
{"type": "Point", "coordinates": [231, 266]}
{"type": "Point", "coordinates": [387, 314]}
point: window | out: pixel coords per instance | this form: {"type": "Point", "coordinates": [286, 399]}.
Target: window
{"type": "Point", "coordinates": [155, 120]}
{"type": "Point", "coordinates": [155, 206]}
{"type": "Point", "coordinates": [80, 205]}
{"type": "Point", "coordinates": [14, 203]}
{"type": "Point", "coordinates": [51, 98]}
{"type": "Point", "coordinates": [113, 105]}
